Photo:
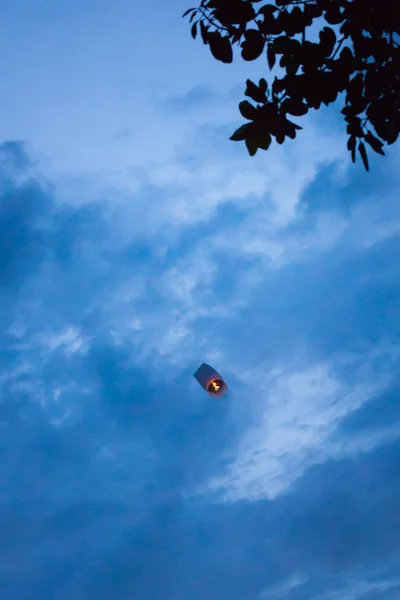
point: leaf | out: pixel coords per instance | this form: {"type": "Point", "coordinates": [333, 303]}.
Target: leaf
{"type": "Point", "coordinates": [351, 145]}
{"type": "Point", "coordinates": [193, 30]}
{"type": "Point", "coordinates": [328, 88]}
{"type": "Point", "coordinates": [236, 33]}
{"type": "Point", "coordinates": [294, 107]}
{"type": "Point", "coordinates": [247, 110]}
{"type": "Point", "coordinates": [375, 144]}
{"type": "Point", "coordinates": [234, 12]}
{"type": "Point", "coordinates": [359, 105]}
{"type": "Point", "coordinates": [220, 47]}
{"type": "Point", "coordinates": [346, 60]}
{"type": "Point", "coordinates": [327, 40]}
{"type": "Point", "coordinates": [292, 22]}
{"type": "Point", "coordinates": [333, 15]}
{"type": "Point", "coordinates": [363, 153]}
{"type": "Point", "coordinates": [255, 93]}
{"type": "Point", "coordinates": [292, 64]}
{"type": "Point", "coordinates": [268, 10]}
{"type": "Point", "coordinates": [270, 24]}
{"type": "Point", "coordinates": [311, 12]}
{"type": "Point", "coordinates": [281, 44]}
{"type": "Point", "coordinates": [355, 88]}
{"type": "Point", "coordinates": [189, 10]}
{"type": "Point", "coordinates": [311, 56]}
{"type": "Point", "coordinates": [253, 45]}
{"type": "Point", "coordinates": [240, 134]}
{"type": "Point", "coordinates": [271, 57]}
{"type": "Point", "coordinates": [268, 116]}
{"type": "Point", "coordinates": [252, 144]}
{"type": "Point", "coordinates": [264, 139]}
{"type": "Point", "coordinates": [354, 126]}
{"type": "Point", "coordinates": [263, 85]}
{"type": "Point", "coordinates": [293, 125]}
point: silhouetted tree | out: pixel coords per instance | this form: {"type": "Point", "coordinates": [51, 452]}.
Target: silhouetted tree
{"type": "Point", "coordinates": [352, 50]}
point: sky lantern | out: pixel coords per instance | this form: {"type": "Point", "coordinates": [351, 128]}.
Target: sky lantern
{"type": "Point", "coordinates": [211, 380]}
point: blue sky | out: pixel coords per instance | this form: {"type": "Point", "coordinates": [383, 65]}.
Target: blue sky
{"type": "Point", "coordinates": [136, 242]}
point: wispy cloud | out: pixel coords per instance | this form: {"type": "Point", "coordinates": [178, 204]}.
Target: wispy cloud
{"type": "Point", "coordinates": [137, 241]}
{"type": "Point", "coordinates": [360, 590]}
{"type": "Point", "coordinates": [298, 418]}
{"type": "Point", "coordinates": [354, 588]}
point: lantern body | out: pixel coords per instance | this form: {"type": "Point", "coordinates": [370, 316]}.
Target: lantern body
{"type": "Point", "coordinates": [211, 381]}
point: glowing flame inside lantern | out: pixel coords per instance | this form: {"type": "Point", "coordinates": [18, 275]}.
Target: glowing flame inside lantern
{"type": "Point", "coordinates": [211, 381]}
{"type": "Point", "coordinates": [215, 385]}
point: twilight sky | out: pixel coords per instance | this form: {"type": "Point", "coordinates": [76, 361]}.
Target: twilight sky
{"type": "Point", "coordinates": [137, 241]}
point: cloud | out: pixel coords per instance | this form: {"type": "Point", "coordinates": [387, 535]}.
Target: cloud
{"type": "Point", "coordinates": [358, 590]}
{"type": "Point", "coordinates": [106, 427]}
{"type": "Point", "coordinates": [285, 589]}
{"type": "Point", "coordinates": [24, 209]}
{"type": "Point", "coordinates": [297, 425]}
{"type": "Point", "coordinates": [355, 588]}
{"type": "Point", "coordinates": [199, 96]}
{"type": "Point", "coordinates": [137, 241]}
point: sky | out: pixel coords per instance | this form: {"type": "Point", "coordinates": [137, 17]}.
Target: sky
{"type": "Point", "coordinates": [136, 242]}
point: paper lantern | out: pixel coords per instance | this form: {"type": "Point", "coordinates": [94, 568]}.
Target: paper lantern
{"type": "Point", "coordinates": [211, 380]}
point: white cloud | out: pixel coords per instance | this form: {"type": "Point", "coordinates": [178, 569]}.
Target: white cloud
{"type": "Point", "coordinates": [69, 341]}
{"type": "Point", "coordinates": [360, 590]}
{"type": "Point", "coordinates": [281, 590]}
{"type": "Point", "coordinates": [351, 589]}
{"type": "Point", "coordinates": [298, 415]}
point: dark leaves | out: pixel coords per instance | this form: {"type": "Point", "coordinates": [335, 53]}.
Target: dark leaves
{"type": "Point", "coordinates": [268, 11]}
{"type": "Point", "coordinates": [263, 85]}
{"type": "Point", "coordinates": [247, 110]}
{"type": "Point", "coordinates": [253, 44]}
{"type": "Point", "coordinates": [363, 153]}
{"type": "Point", "coordinates": [252, 140]}
{"type": "Point", "coordinates": [292, 22]}
{"type": "Point", "coordinates": [240, 134]}
{"type": "Point", "coordinates": [311, 12]}
{"type": "Point", "coordinates": [270, 24]}
{"type": "Point", "coordinates": [271, 56]}
{"type": "Point", "coordinates": [188, 12]}
{"type": "Point", "coordinates": [282, 45]}
{"type": "Point", "coordinates": [346, 61]}
{"type": "Point", "coordinates": [355, 88]}
{"type": "Point", "coordinates": [258, 93]}
{"type": "Point", "coordinates": [220, 46]}
{"type": "Point", "coordinates": [295, 107]}
{"type": "Point", "coordinates": [375, 144]}
{"type": "Point", "coordinates": [351, 145]}
{"type": "Point", "coordinates": [334, 15]}
{"type": "Point", "coordinates": [357, 53]}
{"type": "Point", "coordinates": [264, 139]}
{"type": "Point", "coordinates": [234, 12]}
{"type": "Point", "coordinates": [193, 30]}
{"type": "Point", "coordinates": [327, 40]}
{"type": "Point", "coordinates": [254, 137]}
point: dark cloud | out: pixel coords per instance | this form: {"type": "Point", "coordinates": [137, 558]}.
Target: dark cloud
{"type": "Point", "coordinates": [101, 451]}
{"type": "Point", "coordinates": [339, 190]}
{"type": "Point", "coordinates": [197, 97]}
{"type": "Point", "coordinates": [23, 209]}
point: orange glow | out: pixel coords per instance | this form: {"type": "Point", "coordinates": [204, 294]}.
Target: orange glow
{"type": "Point", "coordinates": [215, 385]}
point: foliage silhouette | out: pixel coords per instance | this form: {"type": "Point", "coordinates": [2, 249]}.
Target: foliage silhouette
{"type": "Point", "coordinates": [355, 56]}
